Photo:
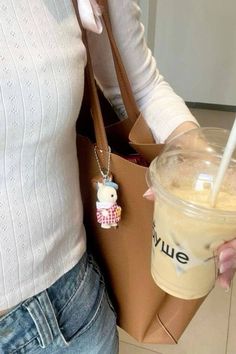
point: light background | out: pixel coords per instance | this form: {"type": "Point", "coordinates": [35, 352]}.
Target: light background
{"type": "Point", "coordinates": [194, 43]}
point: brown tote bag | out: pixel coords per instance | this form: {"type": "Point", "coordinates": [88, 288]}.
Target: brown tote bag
{"type": "Point", "coordinates": [144, 311]}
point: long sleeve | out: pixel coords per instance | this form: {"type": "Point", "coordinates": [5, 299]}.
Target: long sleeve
{"type": "Point", "coordinates": [161, 107]}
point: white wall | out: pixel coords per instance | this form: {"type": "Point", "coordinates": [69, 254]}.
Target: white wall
{"type": "Point", "coordinates": [194, 43]}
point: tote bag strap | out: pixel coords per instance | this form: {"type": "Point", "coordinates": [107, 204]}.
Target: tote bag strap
{"type": "Point", "coordinates": [126, 91]}
{"type": "Point", "coordinates": [130, 104]}
{"type": "Point", "coordinates": [98, 123]}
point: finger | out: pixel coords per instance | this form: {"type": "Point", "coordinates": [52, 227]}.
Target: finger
{"type": "Point", "coordinates": [229, 244]}
{"type": "Point", "coordinates": [227, 254]}
{"type": "Point", "coordinates": [224, 280]}
{"type": "Point", "coordinates": [149, 194]}
{"type": "Point", "coordinates": [225, 266]}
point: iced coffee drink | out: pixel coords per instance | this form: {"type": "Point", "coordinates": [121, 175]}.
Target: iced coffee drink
{"type": "Point", "coordinates": [186, 229]}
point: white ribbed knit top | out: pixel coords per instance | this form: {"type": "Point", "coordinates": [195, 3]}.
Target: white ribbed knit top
{"type": "Point", "coordinates": [42, 62]}
{"type": "Point", "coordinates": [41, 79]}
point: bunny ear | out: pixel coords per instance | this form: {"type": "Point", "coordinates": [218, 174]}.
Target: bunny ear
{"type": "Point", "coordinates": [111, 184]}
{"type": "Point", "coordinates": [99, 185]}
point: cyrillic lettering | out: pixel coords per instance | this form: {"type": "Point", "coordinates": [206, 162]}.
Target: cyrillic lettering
{"type": "Point", "coordinates": [167, 249]}
{"type": "Point", "coordinates": [182, 257]}
{"type": "Point", "coordinates": [156, 240]}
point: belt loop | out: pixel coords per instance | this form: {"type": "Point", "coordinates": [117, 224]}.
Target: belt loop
{"type": "Point", "coordinates": [43, 315]}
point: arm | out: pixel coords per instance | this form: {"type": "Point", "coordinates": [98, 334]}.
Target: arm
{"type": "Point", "coordinates": [163, 110]}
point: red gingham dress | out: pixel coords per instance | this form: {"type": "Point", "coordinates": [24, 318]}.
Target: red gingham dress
{"type": "Point", "coordinates": [112, 215]}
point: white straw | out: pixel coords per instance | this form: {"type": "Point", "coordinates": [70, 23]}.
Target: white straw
{"type": "Point", "coordinates": [229, 149]}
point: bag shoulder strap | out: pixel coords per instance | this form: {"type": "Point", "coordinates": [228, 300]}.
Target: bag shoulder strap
{"type": "Point", "coordinates": [125, 87]}
{"type": "Point", "coordinates": [130, 104]}
{"type": "Point", "coordinates": [99, 128]}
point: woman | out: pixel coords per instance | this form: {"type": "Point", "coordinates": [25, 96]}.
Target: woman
{"type": "Point", "coordinates": [52, 296]}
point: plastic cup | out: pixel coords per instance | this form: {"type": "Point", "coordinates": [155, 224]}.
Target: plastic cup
{"type": "Point", "coordinates": [186, 229]}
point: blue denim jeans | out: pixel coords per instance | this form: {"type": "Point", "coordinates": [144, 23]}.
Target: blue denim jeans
{"type": "Point", "coordinates": [73, 316]}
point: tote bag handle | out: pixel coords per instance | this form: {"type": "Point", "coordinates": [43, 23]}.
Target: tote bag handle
{"type": "Point", "coordinates": [130, 104]}
{"type": "Point", "coordinates": [98, 123]}
{"type": "Point", "coordinates": [122, 77]}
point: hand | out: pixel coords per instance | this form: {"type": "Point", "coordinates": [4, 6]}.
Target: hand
{"type": "Point", "coordinates": [182, 128]}
{"type": "Point", "coordinates": [226, 255]}
{"type": "Point", "coordinates": [227, 263]}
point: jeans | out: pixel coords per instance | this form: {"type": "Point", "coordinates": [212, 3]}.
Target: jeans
{"type": "Point", "coordinates": [73, 316]}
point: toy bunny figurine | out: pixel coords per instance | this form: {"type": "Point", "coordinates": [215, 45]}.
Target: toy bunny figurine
{"type": "Point", "coordinates": [108, 212]}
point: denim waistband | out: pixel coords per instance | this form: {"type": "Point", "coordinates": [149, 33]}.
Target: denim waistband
{"type": "Point", "coordinates": [27, 322]}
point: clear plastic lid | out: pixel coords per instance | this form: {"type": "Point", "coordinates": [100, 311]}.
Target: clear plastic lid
{"type": "Point", "coordinates": [186, 169]}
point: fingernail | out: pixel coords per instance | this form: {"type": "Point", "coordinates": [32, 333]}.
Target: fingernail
{"type": "Point", "coordinates": [222, 269]}
{"type": "Point", "coordinates": [228, 252]}
{"type": "Point", "coordinates": [221, 256]}
{"type": "Point", "coordinates": [148, 193]}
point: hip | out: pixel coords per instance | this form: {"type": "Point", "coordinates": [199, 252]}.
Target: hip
{"type": "Point", "coordinates": [70, 317]}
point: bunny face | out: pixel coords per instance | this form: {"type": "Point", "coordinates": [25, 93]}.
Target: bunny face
{"type": "Point", "coordinates": [106, 193]}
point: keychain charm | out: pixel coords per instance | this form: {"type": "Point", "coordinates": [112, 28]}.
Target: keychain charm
{"type": "Point", "coordinates": [108, 211]}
